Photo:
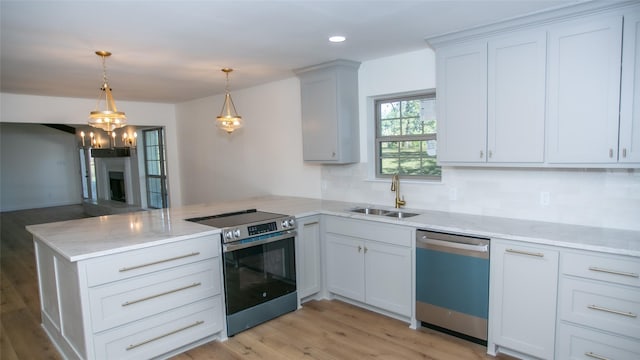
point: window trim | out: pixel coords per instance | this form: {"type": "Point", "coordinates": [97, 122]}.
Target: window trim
{"type": "Point", "coordinates": [378, 139]}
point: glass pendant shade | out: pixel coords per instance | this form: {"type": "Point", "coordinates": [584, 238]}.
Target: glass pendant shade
{"type": "Point", "coordinates": [109, 118]}
{"type": "Point", "coordinates": [228, 120]}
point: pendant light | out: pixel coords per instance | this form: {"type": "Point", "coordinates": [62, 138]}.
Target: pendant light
{"type": "Point", "coordinates": [228, 120]}
{"type": "Point", "coordinates": [110, 118]}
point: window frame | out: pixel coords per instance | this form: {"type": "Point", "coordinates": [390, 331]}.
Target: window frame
{"type": "Point", "coordinates": [162, 166]}
{"type": "Point", "coordinates": [379, 139]}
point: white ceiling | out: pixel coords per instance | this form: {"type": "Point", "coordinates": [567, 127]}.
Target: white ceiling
{"type": "Point", "coordinates": [172, 51]}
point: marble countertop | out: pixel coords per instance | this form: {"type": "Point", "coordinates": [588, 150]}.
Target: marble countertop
{"type": "Point", "coordinates": [92, 237]}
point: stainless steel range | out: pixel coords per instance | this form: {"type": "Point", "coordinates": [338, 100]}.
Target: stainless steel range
{"type": "Point", "coordinates": [259, 266]}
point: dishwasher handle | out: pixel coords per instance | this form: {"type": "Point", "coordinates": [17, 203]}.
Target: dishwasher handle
{"type": "Point", "coordinates": [479, 247]}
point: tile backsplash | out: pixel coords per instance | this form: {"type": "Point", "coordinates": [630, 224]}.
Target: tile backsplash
{"type": "Point", "coordinates": [593, 197]}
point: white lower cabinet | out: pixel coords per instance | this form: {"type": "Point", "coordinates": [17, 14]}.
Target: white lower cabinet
{"type": "Point", "coordinates": [162, 333]}
{"type": "Point", "coordinates": [371, 263]}
{"type": "Point", "coordinates": [308, 261]}
{"type": "Point", "coordinates": [145, 303]}
{"type": "Point", "coordinates": [523, 292]}
{"type": "Point", "coordinates": [598, 307]}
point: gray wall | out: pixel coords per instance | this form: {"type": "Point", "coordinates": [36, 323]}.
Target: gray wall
{"type": "Point", "coordinates": [39, 167]}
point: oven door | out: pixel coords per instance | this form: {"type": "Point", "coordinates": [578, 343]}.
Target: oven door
{"type": "Point", "coordinates": [258, 270]}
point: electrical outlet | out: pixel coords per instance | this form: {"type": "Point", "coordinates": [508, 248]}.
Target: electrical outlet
{"type": "Point", "coordinates": [545, 198]}
{"type": "Point", "coordinates": [453, 194]}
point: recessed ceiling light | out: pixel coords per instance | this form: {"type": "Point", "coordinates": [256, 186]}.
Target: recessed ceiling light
{"type": "Point", "coordinates": [337, 38]}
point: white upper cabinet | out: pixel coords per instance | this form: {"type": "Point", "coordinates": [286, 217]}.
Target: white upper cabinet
{"type": "Point", "coordinates": [584, 90]}
{"type": "Point", "coordinates": [554, 89]}
{"type": "Point", "coordinates": [461, 75]}
{"type": "Point", "coordinates": [491, 100]}
{"type": "Point", "coordinates": [629, 151]}
{"type": "Point", "coordinates": [516, 83]}
{"type": "Point", "coordinates": [329, 95]}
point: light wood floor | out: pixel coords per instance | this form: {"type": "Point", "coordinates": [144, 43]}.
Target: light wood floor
{"type": "Point", "coordinates": [320, 330]}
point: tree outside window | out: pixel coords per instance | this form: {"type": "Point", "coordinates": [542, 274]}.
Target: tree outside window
{"type": "Point", "coordinates": [406, 137]}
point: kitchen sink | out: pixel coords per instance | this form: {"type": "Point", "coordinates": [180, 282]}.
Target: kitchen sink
{"type": "Point", "coordinates": [383, 212]}
{"type": "Point", "coordinates": [401, 214]}
{"type": "Point", "coordinates": [371, 211]}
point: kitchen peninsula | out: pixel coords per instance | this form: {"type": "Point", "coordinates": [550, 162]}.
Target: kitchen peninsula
{"type": "Point", "coordinates": [93, 271]}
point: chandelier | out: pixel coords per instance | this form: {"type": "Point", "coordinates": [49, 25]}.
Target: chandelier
{"type": "Point", "coordinates": [110, 118]}
{"type": "Point", "coordinates": [228, 120]}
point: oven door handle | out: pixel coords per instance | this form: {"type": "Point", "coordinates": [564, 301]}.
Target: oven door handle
{"type": "Point", "coordinates": [233, 247]}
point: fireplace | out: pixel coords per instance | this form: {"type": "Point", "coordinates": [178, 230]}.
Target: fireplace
{"type": "Point", "coordinates": [116, 186]}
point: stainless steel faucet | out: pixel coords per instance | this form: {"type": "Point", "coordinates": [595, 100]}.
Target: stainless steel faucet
{"type": "Point", "coordinates": [395, 186]}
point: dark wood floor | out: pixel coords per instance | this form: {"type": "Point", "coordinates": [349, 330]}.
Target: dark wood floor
{"type": "Point", "coordinates": [320, 330]}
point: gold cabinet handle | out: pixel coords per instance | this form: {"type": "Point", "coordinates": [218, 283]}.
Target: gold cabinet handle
{"type": "Point", "coordinates": [365, 249]}
{"type": "Point", "coordinates": [131, 347]}
{"type": "Point", "coordinates": [615, 272]}
{"type": "Point", "coordinates": [127, 303]}
{"type": "Point", "coordinates": [595, 356]}
{"type": "Point", "coordinates": [128, 268]}
{"type": "Point", "coordinates": [618, 312]}
{"type": "Point", "coordinates": [528, 253]}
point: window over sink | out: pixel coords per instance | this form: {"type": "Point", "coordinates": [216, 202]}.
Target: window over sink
{"type": "Point", "coordinates": [406, 136]}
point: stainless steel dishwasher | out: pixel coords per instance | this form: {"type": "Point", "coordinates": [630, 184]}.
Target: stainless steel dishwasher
{"type": "Point", "coordinates": [452, 283]}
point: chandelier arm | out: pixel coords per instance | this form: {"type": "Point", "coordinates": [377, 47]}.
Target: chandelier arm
{"type": "Point", "coordinates": [235, 113]}
{"type": "Point", "coordinates": [111, 104]}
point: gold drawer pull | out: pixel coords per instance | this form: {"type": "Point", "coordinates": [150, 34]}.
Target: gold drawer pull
{"type": "Point", "coordinates": [596, 356]}
{"type": "Point", "coordinates": [513, 251]}
{"type": "Point", "coordinates": [623, 313]}
{"type": "Point", "coordinates": [127, 303]}
{"type": "Point", "coordinates": [615, 272]}
{"type": "Point", "coordinates": [131, 347]}
{"type": "Point", "coordinates": [158, 262]}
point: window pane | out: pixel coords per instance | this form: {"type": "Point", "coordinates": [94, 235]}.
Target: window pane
{"type": "Point", "coordinates": [428, 115]}
{"type": "Point", "coordinates": [153, 168]}
{"type": "Point", "coordinates": [389, 166]}
{"type": "Point", "coordinates": [431, 148]}
{"type": "Point", "coordinates": [150, 138]}
{"type": "Point", "coordinates": [389, 127]}
{"type": "Point", "coordinates": [413, 126]}
{"type": "Point", "coordinates": [411, 108]}
{"type": "Point", "coordinates": [389, 110]}
{"type": "Point", "coordinates": [409, 148]}
{"type": "Point", "coordinates": [431, 168]}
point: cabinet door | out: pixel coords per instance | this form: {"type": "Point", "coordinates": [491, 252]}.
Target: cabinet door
{"type": "Point", "coordinates": [388, 277]}
{"type": "Point", "coordinates": [345, 266]}
{"type": "Point", "coordinates": [329, 94]}
{"type": "Point", "coordinates": [319, 123]}
{"type": "Point", "coordinates": [462, 103]}
{"type": "Point", "coordinates": [308, 256]}
{"type": "Point", "coordinates": [630, 91]}
{"type": "Point", "coordinates": [516, 96]}
{"type": "Point", "coordinates": [584, 91]}
{"type": "Point", "coordinates": [523, 298]}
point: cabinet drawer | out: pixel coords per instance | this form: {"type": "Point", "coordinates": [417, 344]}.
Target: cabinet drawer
{"type": "Point", "coordinates": [143, 261]}
{"type": "Point", "coordinates": [607, 307]}
{"type": "Point", "coordinates": [370, 230]}
{"type": "Point", "coordinates": [616, 269]}
{"type": "Point", "coordinates": [118, 303]}
{"type": "Point", "coordinates": [160, 334]}
{"type": "Point", "coordinates": [575, 342]}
